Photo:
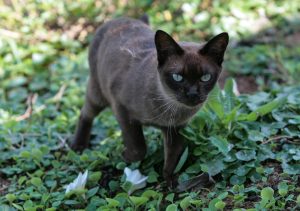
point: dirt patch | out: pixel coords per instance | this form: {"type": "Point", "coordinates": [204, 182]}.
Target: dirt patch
{"type": "Point", "coordinates": [108, 174]}
{"type": "Point", "coordinates": [245, 83]}
{"type": "Point", "coordinates": [293, 39]}
{"type": "Point", "coordinates": [4, 184]}
{"type": "Point", "coordinates": [274, 179]}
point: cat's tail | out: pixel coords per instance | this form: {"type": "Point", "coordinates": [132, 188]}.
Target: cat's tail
{"type": "Point", "coordinates": [144, 18]}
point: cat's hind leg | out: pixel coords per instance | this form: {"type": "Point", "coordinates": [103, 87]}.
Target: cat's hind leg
{"type": "Point", "coordinates": [94, 104]}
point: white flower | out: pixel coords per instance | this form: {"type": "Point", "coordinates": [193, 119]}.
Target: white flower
{"type": "Point", "coordinates": [136, 179]}
{"type": "Point", "coordinates": [235, 88]}
{"type": "Point", "coordinates": [78, 183]}
{"type": "Point", "coordinates": [188, 8]}
{"type": "Point", "coordinates": [201, 17]}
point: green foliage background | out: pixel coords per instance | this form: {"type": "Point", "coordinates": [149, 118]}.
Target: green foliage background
{"type": "Point", "coordinates": [249, 144]}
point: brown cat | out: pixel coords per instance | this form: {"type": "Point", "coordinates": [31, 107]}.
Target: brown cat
{"type": "Point", "coordinates": [148, 79]}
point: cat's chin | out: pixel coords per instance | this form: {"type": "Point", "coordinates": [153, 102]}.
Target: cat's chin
{"type": "Point", "coordinates": [191, 105]}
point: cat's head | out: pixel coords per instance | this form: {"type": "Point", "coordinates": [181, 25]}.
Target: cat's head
{"type": "Point", "coordinates": [189, 71]}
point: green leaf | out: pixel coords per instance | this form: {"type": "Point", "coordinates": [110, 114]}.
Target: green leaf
{"type": "Point", "coordinates": [242, 170]}
{"type": "Point", "coordinates": [298, 200]}
{"type": "Point", "coordinates": [283, 188]}
{"type": "Point", "coordinates": [112, 202]}
{"type": "Point", "coordinates": [37, 182]}
{"type": "Point", "coordinates": [182, 160]}
{"type": "Point", "coordinates": [229, 99]}
{"type": "Point", "coordinates": [172, 207]}
{"type": "Point", "coordinates": [263, 110]}
{"type": "Point", "coordinates": [221, 143]}
{"type": "Point", "coordinates": [152, 176]}
{"type": "Point", "coordinates": [10, 197]}
{"type": "Point", "coordinates": [121, 165]}
{"type": "Point", "coordinates": [267, 193]}
{"type": "Point", "coordinates": [255, 135]}
{"type": "Point", "coordinates": [291, 168]}
{"type": "Point", "coordinates": [92, 192]}
{"type": "Point", "coordinates": [150, 194]}
{"type": "Point", "coordinates": [231, 116]}
{"type": "Point", "coordinates": [37, 154]}
{"type": "Point", "coordinates": [51, 209]}
{"type": "Point", "coordinates": [246, 155]}
{"type": "Point", "coordinates": [237, 180]}
{"type": "Point", "coordinates": [113, 185]}
{"type": "Point", "coordinates": [214, 102]}
{"type": "Point", "coordinates": [260, 170]}
{"type": "Point", "coordinates": [170, 197]}
{"type": "Point", "coordinates": [17, 206]}
{"type": "Point", "coordinates": [185, 203]}
{"type": "Point", "coordinates": [77, 192]}
{"type": "Point", "coordinates": [84, 158]}
{"type": "Point", "coordinates": [212, 204]}
{"type": "Point", "coordinates": [213, 167]}
{"type": "Point", "coordinates": [7, 208]}
{"type": "Point", "coordinates": [126, 186]}
{"type": "Point", "coordinates": [220, 205]}
{"type": "Point", "coordinates": [138, 201]}
{"type": "Point", "coordinates": [28, 205]}
{"type": "Point", "coordinates": [196, 202]}
{"type": "Point", "coordinates": [71, 202]}
{"type": "Point", "coordinates": [223, 195]}
{"type": "Point", "coordinates": [25, 154]}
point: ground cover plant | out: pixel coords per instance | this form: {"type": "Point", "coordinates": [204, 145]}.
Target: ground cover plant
{"type": "Point", "coordinates": [249, 144]}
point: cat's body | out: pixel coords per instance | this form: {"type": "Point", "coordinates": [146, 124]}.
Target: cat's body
{"type": "Point", "coordinates": [131, 68]}
{"type": "Point", "coordinates": [132, 41]}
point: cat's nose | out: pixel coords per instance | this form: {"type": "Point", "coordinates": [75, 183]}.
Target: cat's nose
{"type": "Point", "coordinates": [192, 93]}
{"type": "Point", "coordinates": [192, 96]}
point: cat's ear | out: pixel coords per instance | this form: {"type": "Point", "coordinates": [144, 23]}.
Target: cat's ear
{"type": "Point", "coordinates": [166, 46]}
{"type": "Point", "coordinates": [215, 48]}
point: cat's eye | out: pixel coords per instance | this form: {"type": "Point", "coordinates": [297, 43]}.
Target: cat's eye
{"type": "Point", "coordinates": [177, 77]}
{"type": "Point", "coordinates": [205, 77]}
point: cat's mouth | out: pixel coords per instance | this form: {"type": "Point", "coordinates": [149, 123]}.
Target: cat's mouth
{"type": "Point", "coordinates": [192, 102]}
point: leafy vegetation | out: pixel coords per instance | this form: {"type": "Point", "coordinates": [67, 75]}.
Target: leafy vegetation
{"type": "Point", "coordinates": [248, 144]}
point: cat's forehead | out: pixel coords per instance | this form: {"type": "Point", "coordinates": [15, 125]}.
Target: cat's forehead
{"type": "Point", "coordinates": [195, 65]}
{"type": "Point", "coordinates": [192, 61]}
{"type": "Point", "coordinates": [192, 64]}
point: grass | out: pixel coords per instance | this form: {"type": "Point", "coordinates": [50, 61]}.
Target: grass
{"type": "Point", "coordinates": [248, 144]}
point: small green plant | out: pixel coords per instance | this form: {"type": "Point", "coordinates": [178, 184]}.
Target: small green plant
{"type": "Point", "coordinates": [267, 198]}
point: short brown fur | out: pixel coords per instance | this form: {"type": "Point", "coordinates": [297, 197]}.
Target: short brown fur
{"type": "Point", "coordinates": [131, 72]}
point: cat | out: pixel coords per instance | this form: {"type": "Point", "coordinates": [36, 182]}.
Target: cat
{"type": "Point", "coordinates": [148, 78]}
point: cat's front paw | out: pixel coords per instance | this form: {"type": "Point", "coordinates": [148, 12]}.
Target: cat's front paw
{"type": "Point", "coordinates": [170, 179]}
{"type": "Point", "coordinates": [130, 156]}
{"type": "Point", "coordinates": [76, 145]}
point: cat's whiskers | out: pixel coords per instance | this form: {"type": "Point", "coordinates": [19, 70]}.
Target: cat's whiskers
{"type": "Point", "coordinates": [167, 105]}
{"type": "Point", "coordinates": [158, 97]}
{"type": "Point", "coordinates": [172, 117]}
{"type": "Point", "coordinates": [171, 105]}
{"type": "Point", "coordinates": [174, 114]}
{"type": "Point", "coordinates": [169, 127]}
{"type": "Point", "coordinates": [172, 121]}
